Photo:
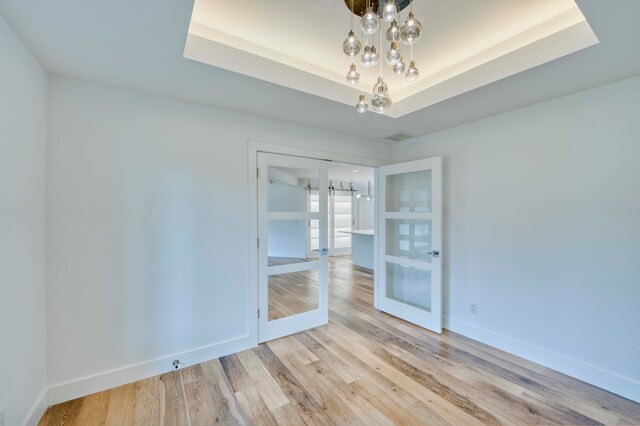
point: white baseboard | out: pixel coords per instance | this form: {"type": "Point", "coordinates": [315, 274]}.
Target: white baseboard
{"type": "Point", "coordinates": [38, 409]}
{"type": "Point", "coordinates": [110, 379]}
{"type": "Point", "coordinates": [607, 380]}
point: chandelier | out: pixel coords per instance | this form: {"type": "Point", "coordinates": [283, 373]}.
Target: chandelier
{"type": "Point", "coordinates": [372, 15]}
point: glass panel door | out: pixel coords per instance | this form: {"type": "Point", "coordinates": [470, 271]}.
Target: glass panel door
{"type": "Point", "coordinates": [409, 283]}
{"type": "Point", "coordinates": [292, 281]}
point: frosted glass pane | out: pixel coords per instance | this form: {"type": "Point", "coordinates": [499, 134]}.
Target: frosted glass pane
{"type": "Point", "coordinates": [411, 286]}
{"type": "Point", "coordinates": [409, 192]}
{"type": "Point", "coordinates": [288, 190]}
{"type": "Point", "coordinates": [293, 293]}
{"type": "Point", "coordinates": [408, 238]}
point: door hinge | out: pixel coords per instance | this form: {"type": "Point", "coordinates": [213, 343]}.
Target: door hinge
{"type": "Point", "coordinates": [258, 242]}
{"type": "Point", "coordinates": [258, 313]}
{"type": "Point", "coordinates": [257, 172]}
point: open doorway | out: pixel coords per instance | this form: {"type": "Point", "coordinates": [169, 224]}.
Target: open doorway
{"type": "Point", "coordinates": [351, 207]}
{"type": "Point", "coordinates": [325, 229]}
{"type": "Point", "coordinates": [316, 221]}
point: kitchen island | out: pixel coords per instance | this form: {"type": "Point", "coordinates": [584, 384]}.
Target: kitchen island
{"type": "Point", "coordinates": [361, 247]}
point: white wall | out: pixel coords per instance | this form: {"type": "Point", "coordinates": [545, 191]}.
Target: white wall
{"type": "Point", "coordinates": [147, 225]}
{"type": "Point", "coordinates": [23, 127]}
{"type": "Point", "coordinates": [542, 230]}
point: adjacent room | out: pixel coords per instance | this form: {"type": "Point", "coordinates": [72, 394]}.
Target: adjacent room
{"type": "Point", "coordinates": [363, 212]}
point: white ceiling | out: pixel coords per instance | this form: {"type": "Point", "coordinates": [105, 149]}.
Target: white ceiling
{"type": "Point", "coordinates": [139, 45]}
{"type": "Point", "coordinates": [465, 44]}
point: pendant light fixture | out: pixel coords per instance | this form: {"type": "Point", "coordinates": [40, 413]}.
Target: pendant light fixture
{"type": "Point", "coordinates": [393, 55]}
{"type": "Point", "coordinates": [353, 76]}
{"type": "Point", "coordinates": [389, 11]}
{"type": "Point", "coordinates": [376, 13]}
{"type": "Point", "coordinates": [412, 74]}
{"type": "Point", "coordinates": [369, 22]}
{"type": "Point", "coordinates": [362, 106]}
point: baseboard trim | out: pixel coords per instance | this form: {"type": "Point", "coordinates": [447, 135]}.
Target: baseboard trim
{"type": "Point", "coordinates": [606, 380]}
{"type": "Point", "coordinates": [38, 409]}
{"type": "Point", "coordinates": [109, 379]}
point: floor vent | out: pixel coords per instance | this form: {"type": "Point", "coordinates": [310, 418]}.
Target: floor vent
{"type": "Point", "coordinates": [398, 136]}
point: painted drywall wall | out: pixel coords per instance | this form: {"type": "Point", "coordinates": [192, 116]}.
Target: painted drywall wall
{"type": "Point", "coordinates": [542, 230]}
{"type": "Point", "coordinates": [23, 127]}
{"type": "Point", "coordinates": [147, 225]}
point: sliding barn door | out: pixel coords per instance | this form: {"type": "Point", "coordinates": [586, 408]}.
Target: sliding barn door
{"type": "Point", "coordinates": [409, 261]}
{"type": "Point", "coordinates": [292, 284]}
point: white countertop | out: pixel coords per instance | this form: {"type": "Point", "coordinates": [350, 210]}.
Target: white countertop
{"type": "Point", "coordinates": [367, 232]}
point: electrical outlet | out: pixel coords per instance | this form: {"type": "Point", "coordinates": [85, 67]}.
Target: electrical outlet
{"type": "Point", "coordinates": [473, 308]}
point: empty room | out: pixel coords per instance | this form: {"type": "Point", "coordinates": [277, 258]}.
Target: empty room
{"type": "Point", "coordinates": [341, 212]}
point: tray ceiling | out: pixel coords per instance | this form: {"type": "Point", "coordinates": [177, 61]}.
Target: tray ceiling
{"type": "Point", "coordinates": [465, 44]}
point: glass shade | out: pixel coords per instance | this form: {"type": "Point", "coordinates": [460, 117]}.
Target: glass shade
{"type": "Point", "coordinates": [381, 102]}
{"type": "Point", "coordinates": [367, 57]}
{"type": "Point", "coordinates": [393, 54]}
{"type": "Point", "coordinates": [393, 32]}
{"type": "Point", "coordinates": [369, 22]}
{"type": "Point", "coordinates": [362, 106]}
{"type": "Point", "coordinates": [351, 45]}
{"type": "Point", "coordinates": [389, 11]}
{"type": "Point", "coordinates": [380, 84]}
{"type": "Point", "coordinates": [353, 76]}
{"type": "Point", "coordinates": [375, 56]}
{"type": "Point", "coordinates": [399, 67]}
{"type": "Point", "coordinates": [411, 30]}
{"type": "Point", "coordinates": [412, 73]}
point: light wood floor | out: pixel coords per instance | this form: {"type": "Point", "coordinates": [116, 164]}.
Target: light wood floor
{"type": "Point", "coordinates": [364, 367]}
{"type": "Point", "coordinates": [292, 293]}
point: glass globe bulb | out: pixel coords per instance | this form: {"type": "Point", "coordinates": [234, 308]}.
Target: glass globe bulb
{"type": "Point", "coordinates": [381, 102]}
{"type": "Point", "coordinates": [411, 30]}
{"type": "Point", "coordinates": [412, 73]}
{"type": "Point", "coordinates": [380, 85]}
{"type": "Point", "coordinates": [393, 54]}
{"type": "Point", "coordinates": [393, 33]}
{"type": "Point", "coordinates": [353, 76]}
{"type": "Point", "coordinates": [369, 22]}
{"type": "Point", "coordinates": [362, 106]}
{"type": "Point", "coordinates": [375, 56]}
{"type": "Point", "coordinates": [351, 45]}
{"type": "Point", "coordinates": [367, 57]}
{"type": "Point", "coordinates": [399, 67]}
{"type": "Point", "coordinates": [389, 11]}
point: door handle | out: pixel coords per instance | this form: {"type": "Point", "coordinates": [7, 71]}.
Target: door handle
{"type": "Point", "coordinates": [324, 251]}
{"type": "Point", "coordinates": [434, 253]}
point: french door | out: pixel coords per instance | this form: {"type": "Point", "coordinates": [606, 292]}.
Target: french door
{"type": "Point", "coordinates": [409, 261]}
{"type": "Point", "coordinates": [292, 286]}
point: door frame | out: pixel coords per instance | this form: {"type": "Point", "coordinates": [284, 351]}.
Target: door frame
{"type": "Point", "coordinates": [253, 147]}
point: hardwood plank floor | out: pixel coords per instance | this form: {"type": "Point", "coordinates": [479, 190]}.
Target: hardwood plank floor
{"type": "Point", "coordinates": [364, 367]}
